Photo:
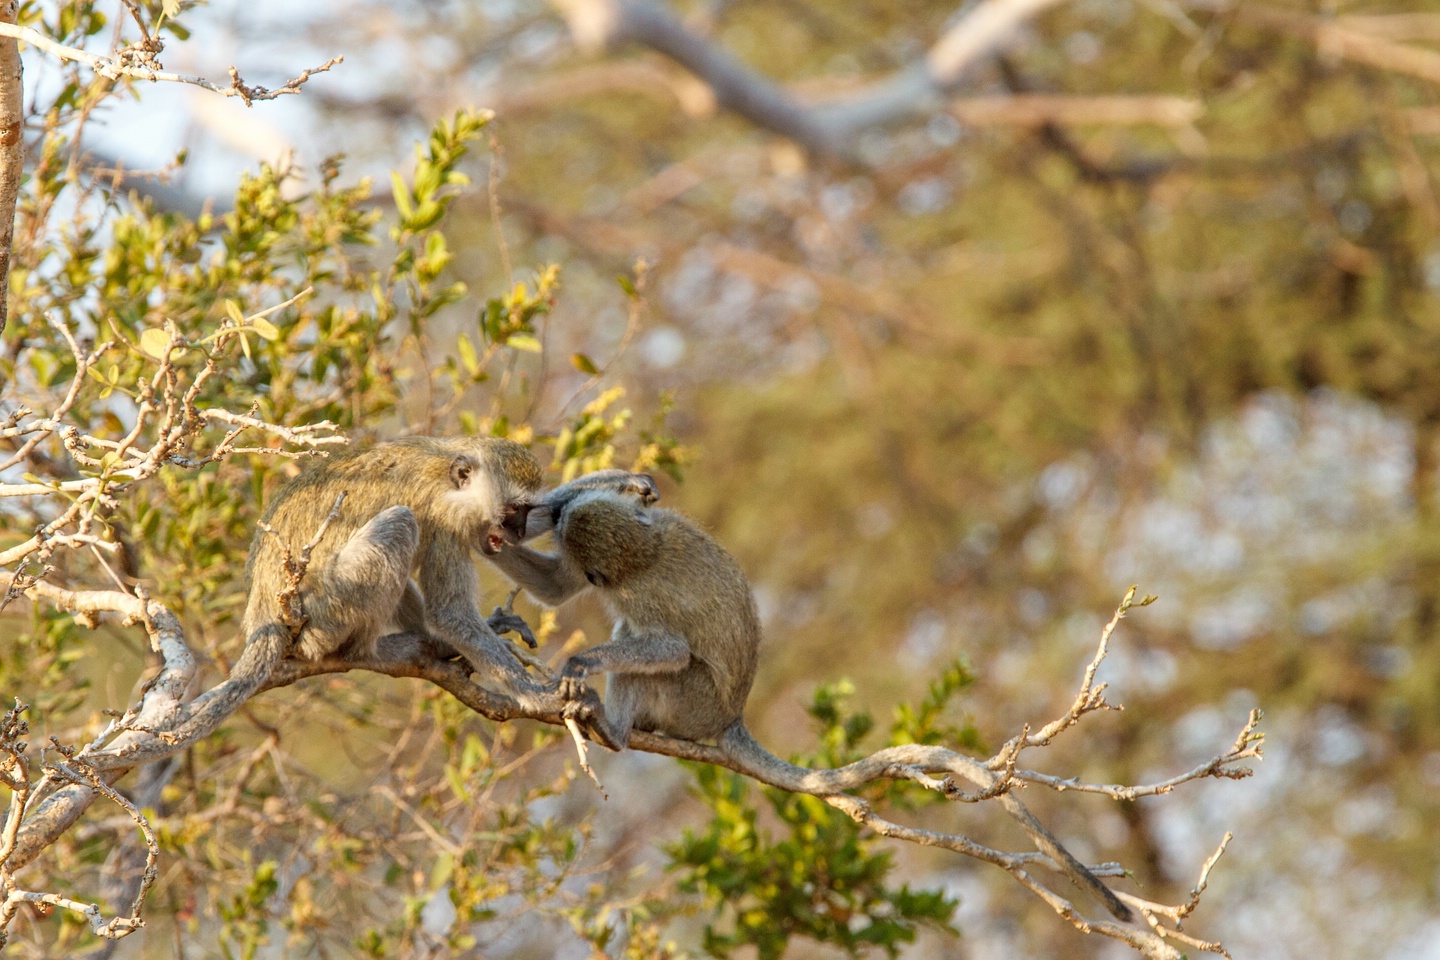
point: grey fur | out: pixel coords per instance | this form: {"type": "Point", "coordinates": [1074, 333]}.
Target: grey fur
{"type": "Point", "coordinates": [684, 648]}
{"type": "Point", "coordinates": [640, 486]}
{"type": "Point", "coordinates": [420, 505]}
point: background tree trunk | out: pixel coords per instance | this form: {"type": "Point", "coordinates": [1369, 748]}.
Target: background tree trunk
{"type": "Point", "coordinates": [12, 149]}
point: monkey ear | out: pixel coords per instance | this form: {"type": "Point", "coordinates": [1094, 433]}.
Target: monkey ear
{"type": "Point", "coordinates": [460, 470]}
{"type": "Point", "coordinates": [644, 518]}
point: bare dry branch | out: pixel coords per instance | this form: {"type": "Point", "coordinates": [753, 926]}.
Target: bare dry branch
{"type": "Point", "coordinates": [1038, 109]}
{"type": "Point", "coordinates": [292, 612]}
{"type": "Point", "coordinates": [137, 64]}
{"type": "Point", "coordinates": [166, 430]}
{"type": "Point", "coordinates": [161, 725]}
{"type": "Point", "coordinates": [1349, 39]}
{"type": "Point", "coordinates": [75, 771]}
{"type": "Point", "coordinates": [828, 127]}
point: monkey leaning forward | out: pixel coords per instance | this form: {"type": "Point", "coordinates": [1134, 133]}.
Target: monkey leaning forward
{"type": "Point", "coordinates": [416, 505]}
{"type": "Point", "coordinates": [685, 644]}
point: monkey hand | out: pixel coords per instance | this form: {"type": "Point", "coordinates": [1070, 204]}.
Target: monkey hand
{"type": "Point", "coordinates": [506, 621]}
{"type": "Point", "coordinates": [572, 678]}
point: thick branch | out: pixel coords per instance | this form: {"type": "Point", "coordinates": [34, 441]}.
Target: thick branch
{"type": "Point", "coordinates": [828, 128]}
{"type": "Point", "coordinates": [161, 727]}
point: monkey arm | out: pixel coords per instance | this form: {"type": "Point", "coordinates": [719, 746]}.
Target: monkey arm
{"type": "Point", "coordinates": [546, 577]}
{"type": "Point", "coordinates": [628, 652]}
{"type": "Point", "coordinates": [539, 521]}
{"type": "Point", "coordinates": [650, 651]}
{"type": "Point", "coordinates": [451, 588]}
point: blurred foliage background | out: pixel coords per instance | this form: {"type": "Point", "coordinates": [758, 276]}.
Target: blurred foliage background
{"type": "Point", "coordinates": [947, 400]}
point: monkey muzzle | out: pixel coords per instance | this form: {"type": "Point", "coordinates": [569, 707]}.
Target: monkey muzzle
{"type": "Point", "coordinates": [510, 529]}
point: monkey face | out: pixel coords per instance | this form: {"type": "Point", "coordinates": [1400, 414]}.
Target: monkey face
{"type": "Point", "coordinates": [476, 500]}
{"type": "Point", "coordinates": [510, 529]}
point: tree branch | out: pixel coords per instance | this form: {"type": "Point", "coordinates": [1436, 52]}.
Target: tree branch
{"type": "Point", "coordinates": [12, 147]}
{"type": "Point", "coordinates": [160, 726]}
{"type": "Point", "coordinates": [140, 62]}
{"type": "Point", "coordinates": [1343, 40]}
{"type": "Point", "coordinates": [404, 655]}
{"type": "Point", "coordinates": [828, 128]}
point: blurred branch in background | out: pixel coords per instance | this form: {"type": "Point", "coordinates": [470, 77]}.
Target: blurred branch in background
{"type": "Point", "coordinates": [832, 125]}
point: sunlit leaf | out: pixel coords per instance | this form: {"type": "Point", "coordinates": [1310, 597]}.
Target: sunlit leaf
{"type": "Point", "coordinates": [266, 329]}
{"type": "Point", "coordinates": [467, 354]}
{"type": "Point", "coordinates": [155, 343]}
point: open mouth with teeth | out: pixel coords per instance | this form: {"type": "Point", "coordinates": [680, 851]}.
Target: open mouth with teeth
{"type": "Point", "coordinates": [493, 542]}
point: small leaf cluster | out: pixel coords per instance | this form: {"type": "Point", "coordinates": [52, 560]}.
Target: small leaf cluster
{"type": "Point", "coordinates": [297, 302]}
{"type": "Point", "coordinates": [821, 876]}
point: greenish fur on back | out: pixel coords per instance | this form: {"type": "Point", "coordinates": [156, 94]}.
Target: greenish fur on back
{"type": "Point", "coordinates": [661, 572]}
{"type": "Point", "coordinates": [414, 506]}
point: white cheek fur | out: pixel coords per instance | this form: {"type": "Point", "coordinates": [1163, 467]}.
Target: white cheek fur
{"type": "Point", "coordinates": [476, 502]}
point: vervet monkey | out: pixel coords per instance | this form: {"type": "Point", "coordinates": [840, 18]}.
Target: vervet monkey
{"type": "Point", "coordinates": [416, 505]}
{"type": "Point", "coordinates": [686, 640]}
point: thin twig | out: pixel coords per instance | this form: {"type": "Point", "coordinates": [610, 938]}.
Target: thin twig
{"type": "Point", "coordinates": [113, 69]}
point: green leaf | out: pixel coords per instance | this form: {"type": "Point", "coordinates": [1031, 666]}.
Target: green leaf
{"type": "Point", "coordinates": [402, 195]}
{"type": "Point", "coordinates": [523, 341]}
{"type": "Point", "coordinates": [266, 329]}
{"type": "Point", "coordinates": [584, 364]}
{"type": "Point", "coordinates": [467, 354]}
{"type": "Point", "coordinates": [155, 342]}
{"type": "Point", "coordinates": [233, 311]}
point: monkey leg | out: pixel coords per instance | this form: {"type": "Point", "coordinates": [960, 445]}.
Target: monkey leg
{"type": "Point", "coordinates": [410, 618]}
{"type": "Point", "coordinates": [623, 699]}
{"type": "Point", "coordinates": [626, 653]}
{"type": "Point", "coordinates": [472, 638]}
{"type": "Point", "coordinates": [410, 613]}
{"type": "Point", "coordinates": [360, 592]}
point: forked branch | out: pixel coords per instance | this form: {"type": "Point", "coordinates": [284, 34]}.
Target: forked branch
{"type": "Point", "coordinates": [135, 740]}
{"type": "Point", "coordinates": [140, 61]}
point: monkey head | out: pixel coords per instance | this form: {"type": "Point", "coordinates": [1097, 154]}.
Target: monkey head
{"type": "Point", "coordinates": [611, 536]}
{"type": "Point", "coordinates": [639, 487]}
{"type": "Point", "coordinates": [493, 483]}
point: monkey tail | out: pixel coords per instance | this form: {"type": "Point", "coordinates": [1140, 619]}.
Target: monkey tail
{"type": "Point", "coordinates": [747, 753]}
{"type": "Point", "coordinates": [263, 650]}
{"type": "Point", "coordinates": [764, 766]}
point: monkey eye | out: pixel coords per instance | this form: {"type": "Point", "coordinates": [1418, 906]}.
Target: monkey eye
{"type": "Point", "coordinates": [596, 579]}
